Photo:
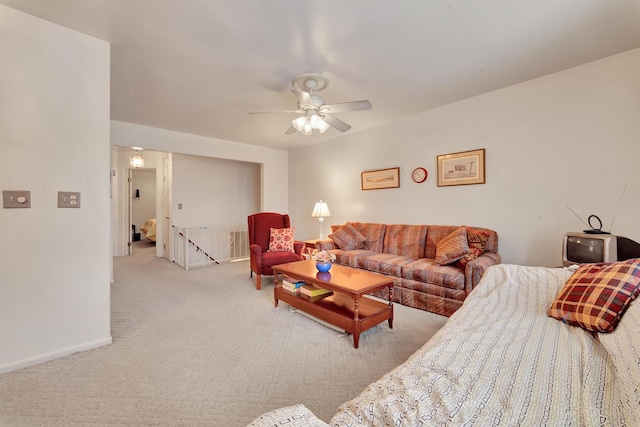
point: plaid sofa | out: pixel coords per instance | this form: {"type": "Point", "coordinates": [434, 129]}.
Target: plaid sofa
{"type": "Point", "coordinates": [408, 252]}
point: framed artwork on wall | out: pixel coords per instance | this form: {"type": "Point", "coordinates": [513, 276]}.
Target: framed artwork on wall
{"type": "Point", "coordinates": [381, 178]}
{"type": "Point", "coordinates": [462, 168]}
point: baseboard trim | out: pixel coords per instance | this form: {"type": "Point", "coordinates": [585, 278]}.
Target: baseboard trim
{"type": "Point", "coordinates": [41, 358]}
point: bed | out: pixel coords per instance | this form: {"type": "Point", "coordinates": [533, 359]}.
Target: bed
{"type": "Point", "coordinates": [149, 229]}
{"type": "Point", "coordinates": [501, 360]}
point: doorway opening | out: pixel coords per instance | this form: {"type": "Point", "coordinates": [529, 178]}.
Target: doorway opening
{"type": "Point", "coordinates": [142, 208]}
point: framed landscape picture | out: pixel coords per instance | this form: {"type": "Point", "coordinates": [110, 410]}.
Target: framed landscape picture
{"type": "Point", "coordinates": [381, 178]}
{"type": "Point", "coordinates": [462, 168]}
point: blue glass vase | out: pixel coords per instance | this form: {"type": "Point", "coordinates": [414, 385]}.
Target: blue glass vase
{"type": "Point", "coordinates": [323, 267]}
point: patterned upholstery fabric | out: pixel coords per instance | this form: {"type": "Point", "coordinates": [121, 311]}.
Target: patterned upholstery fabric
{"type": "Point", "coordinates": [405, 240]}
{"type": "Point", "coordinates": [384, 263]}
{"type": "Point", "coordinates": [350, 258]}
{"type": "Point", "coordinates": [281, 239]}
{"type": "Point", "coordinates": [348, 238]}
{"type": "Point", "coordinates": [429, 299]}
{"type": "Point", "coordinates": [426, 270]}
{"type": "Point", "coordinates": [419, 281]}
{"type": "Point", "coordinates": [434, 235]}
{"type": "Point", "coordinates": [260, 226]}
{"type": "Point", "coordinates": [478, 240]}
{"type": "Point", "coordinates": [453, 247]}
{"type": "Point", "coordinates": [597, 295]}
{"type": "Point", "coordinates": [374, 234]}
{"type": "Point", "coordinates": [260, 260]}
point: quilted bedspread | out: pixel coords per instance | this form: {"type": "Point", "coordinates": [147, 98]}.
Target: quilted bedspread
{"type": "Point", "coordinates": [500, 360]}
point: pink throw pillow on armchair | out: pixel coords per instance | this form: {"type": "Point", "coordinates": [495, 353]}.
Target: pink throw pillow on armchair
{"type": "Point", "coordinates": [281, 240]}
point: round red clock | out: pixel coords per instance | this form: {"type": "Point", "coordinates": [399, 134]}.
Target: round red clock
{"type": "Point", "coordinates": [419, 175]}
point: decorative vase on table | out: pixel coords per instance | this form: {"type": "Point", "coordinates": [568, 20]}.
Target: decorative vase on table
{"type": "Point", "coordinates": [323, 267]}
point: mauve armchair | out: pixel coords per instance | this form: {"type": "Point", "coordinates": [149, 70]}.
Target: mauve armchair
{"type": "Point", "coordinates": [260, 259]}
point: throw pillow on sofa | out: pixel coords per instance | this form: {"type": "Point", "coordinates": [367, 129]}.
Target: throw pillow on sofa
{"type": "Point", "coordinates": [281, 240]}
{"type": "Point", "coordinates": [453, 247]}
{"type": "Point", "coordinates": [347, 237]}
{"type": "Point", "coordinates": [477, 243]}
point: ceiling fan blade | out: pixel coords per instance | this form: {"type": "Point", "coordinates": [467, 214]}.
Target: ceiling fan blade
{"type": "Point", "coordinates": [335, 122]}
{"type": "Point", "coordinates": [272, 112]}
{"type": "Point", "coordinates": [347, 106]}
{"type": "Point", "coordinates": [290, 131]}
{"type": "Point", "coordinates": [304, 99]}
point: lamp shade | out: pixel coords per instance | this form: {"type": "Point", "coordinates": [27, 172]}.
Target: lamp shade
{"type": "Point", "coordinates": [321, 210]}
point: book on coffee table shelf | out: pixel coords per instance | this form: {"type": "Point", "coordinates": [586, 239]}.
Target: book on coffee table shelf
{"type": "Point", "coordinates": [292, 285]}
{"type": "Point", "coordinates": [313, 290]}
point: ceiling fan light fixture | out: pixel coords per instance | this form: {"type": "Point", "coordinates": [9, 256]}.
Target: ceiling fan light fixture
{"type": "Point", "coordinates": [318, 123]}
{"type": "Point", "coordinates": [315, 120]}
{"type": "Point", "coordinates": [307, 129]}
{"type": "Point", "coordinates": [323, 126]}
{"type": "Point", "coordinates": [299, 123]}
{"type": "Point", "coordinates": [314, 112]}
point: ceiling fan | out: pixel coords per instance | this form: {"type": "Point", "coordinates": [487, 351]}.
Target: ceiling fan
{"type": "Point", "coordinates": [314, 112]}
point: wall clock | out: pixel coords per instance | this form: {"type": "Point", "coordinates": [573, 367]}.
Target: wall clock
{"type": "Point", "coordinates": [419, 175]}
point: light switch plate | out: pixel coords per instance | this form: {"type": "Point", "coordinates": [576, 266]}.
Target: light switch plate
{"type": "Point", "coordinates": [16, 199]}
{"type": "Point", "coordinates": [68, 199]}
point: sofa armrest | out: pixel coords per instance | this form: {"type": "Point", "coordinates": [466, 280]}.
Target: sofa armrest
{"type": "Point", "coordinates": [475, 269]}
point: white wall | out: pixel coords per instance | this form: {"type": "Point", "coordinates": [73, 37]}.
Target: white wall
{"type": "Point", "coordinates": [274, 196]}
{"type": "Point", "coordinates": [568, 139]}
{"type": "Point", "coordinates": [213, 191]}
{"type": "Point", "coordinates": [54, 136]}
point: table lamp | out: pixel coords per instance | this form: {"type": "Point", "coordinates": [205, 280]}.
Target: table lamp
{"type": "Point", "coordinates": [321, 211]}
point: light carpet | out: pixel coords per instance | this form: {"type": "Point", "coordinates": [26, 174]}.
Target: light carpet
{"type": "Point", "coordinates": [205, 348]}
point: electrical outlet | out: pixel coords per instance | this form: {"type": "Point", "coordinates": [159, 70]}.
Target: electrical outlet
{"type": "Point", "coordinates": [16, 199]}
{"type": "Point", "coordinates": [68, 199]}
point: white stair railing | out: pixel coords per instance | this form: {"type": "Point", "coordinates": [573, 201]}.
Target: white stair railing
{"type": "Point", "coordinates": [201, 246]}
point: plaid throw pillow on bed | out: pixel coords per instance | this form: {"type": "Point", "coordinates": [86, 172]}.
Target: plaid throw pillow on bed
{"type": "Point", "coordinates": [596, 296]}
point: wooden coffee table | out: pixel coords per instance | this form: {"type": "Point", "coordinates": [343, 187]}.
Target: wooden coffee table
{"type": "Point", "coordinates": [348, 307]}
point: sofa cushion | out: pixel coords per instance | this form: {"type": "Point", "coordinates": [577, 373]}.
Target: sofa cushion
{"type": "Point", "coordinates": [426, 270]}
{"type": "Point", "coordinates": [350, 258]}
{"type": "Point", "coordinates": [596, 296]}
{"type": "Point", "coordinates": [374, 234]}
{"type": "Point", "coordinates": [347, 237]}
{"type": "Point", "coordinates": [405, 240]}
{"type": "Point", "coordinates": [453, 247]}
{"type": "Point", "coordinates": [281, 239]}
{"type": "Point", "coordinates": [384, 263]}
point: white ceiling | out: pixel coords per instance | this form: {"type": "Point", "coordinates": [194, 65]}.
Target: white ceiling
{"type": "Point", "coordinates": [200, 66]}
